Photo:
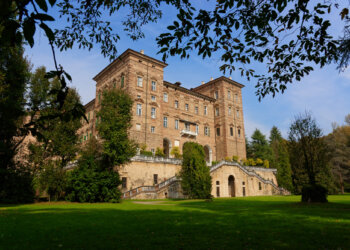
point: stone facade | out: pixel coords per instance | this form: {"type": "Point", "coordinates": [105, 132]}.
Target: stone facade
{"type": "Point", "coordinates": [168, 115]}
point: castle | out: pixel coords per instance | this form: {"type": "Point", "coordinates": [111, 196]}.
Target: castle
{"type": "Point", "coordinates": [166, 115]}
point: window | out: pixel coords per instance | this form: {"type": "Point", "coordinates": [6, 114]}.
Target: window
{"type": "Point", "coordinates": [155, 179]}
{"type": "Point", "coordinates": [206, 131]}
{"type": "Point", "coordinates": [176, 124]}
{"type": "Point", "coordinates": [231, 131]}
{"type": "Point", "coordinates": [229, 110]}
{"type": "Point", "coordinates": [216, 95]}
{"type": "Point", "coordinates": [153, 98]}
{"type": "Point", "coordinates": [138, 126]}
{"type": "Point", "coordinates": [153, 112]}
{"type": "Point", "coordinates": [176, 104]}
{"type": "Point", "coordinates": [139, 109]}
{"type": "Point", "coordinates": [260, 186]}
{"type": "Point", "coordinates": [239, 133]}
{"type": "Point", "coordinates": [205, 110]}
{"type": "Point", "coordinates": [217, 182]}
{"type": "Point", "coordinates": [138, 97]}
{"type": "Point", "coordinates": [229, 95]}
{"type": "Point", "coordinates": [243, 183]}
{"type": "Point", "coordinates": [186, 106]}
{"type": "Point", "coordinates": [243, 191]}
{"type": "Point", "coordinates": [176, 143]}
{"type": "Point", "coordinates": [165, 97]}
{"type": "Point", "coordinates": [122, 82]}
{"type": "Point", "coordinates": [139, 81]}
{"type": "Point", "coordinates": [197, 129]}
{"type": "Point", "coordinates": [124, 182]}
{"type": "Point", "coordinates": [187, 126]}
{"type": "Point", "coordinates": [218, 131]}
{"type": "Point", "coordinates": [153, 151]}
{"type": "Point", "coordinates": [153, 128]}
{"type": "Point", "coordinates": [196, 110]}
{"type": "Point", "coordinates": [237, 113]}
{"type": "Point", "coordinates": [236, 98]}
{"type": "Point", "coordinates": [114, 83]}
{"type": "Point", "coordinates": [217, 111]}
{"type": "Point", "coordinates": [154, 86]}
{"type": "Point", "coordinates": [165, 122]}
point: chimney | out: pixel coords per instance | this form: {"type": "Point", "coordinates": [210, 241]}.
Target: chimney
{"type": "Point", "coordinates": [211, 78]}
{"type": "Point", "coordinates": [142, 51]}
{"type": "Point", "coordinates": [202, 82]}
{"type": "Point", "coordinates": [230, 78]}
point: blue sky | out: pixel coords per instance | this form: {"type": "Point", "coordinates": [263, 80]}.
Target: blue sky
{"type": "Point", "coordinates": [325, 92]}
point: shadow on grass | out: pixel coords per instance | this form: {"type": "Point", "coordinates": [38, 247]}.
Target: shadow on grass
{"type": "Point", "coordinates": [224, 223]}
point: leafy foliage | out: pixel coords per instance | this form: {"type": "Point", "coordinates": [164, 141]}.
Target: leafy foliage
{"type": "Point", "coordinates": [309, 154]}
{"type": "Point", "coordinates": [115, 116]}
{"type": "Point", "coordinates": [91, 181]}
{"type": "Point", "coordinates": [288, 36]}
{"type": "Point", "coordinates": [195, 175]}
{"type": "Point", "coordinates": [175, 151]}
{"type": "Point", "coordinates": [280, 159]}
{"type": "Point", "coordinates": [339, 144]}
{"type": "Point", "coordinates": [160, 152]}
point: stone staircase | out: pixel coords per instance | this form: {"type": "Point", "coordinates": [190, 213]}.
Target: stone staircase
{"type": "Point", "coordinates": [161, 190]}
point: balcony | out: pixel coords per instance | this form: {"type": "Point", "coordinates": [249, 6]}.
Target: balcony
{"type": "Point", "coordinates": [185, 132]}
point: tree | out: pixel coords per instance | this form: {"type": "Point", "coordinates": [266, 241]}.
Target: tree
{"type": "Point", "coordinates": [259, 146]}
{"type": "Point", "coordinates": [115, 120]}
{"type": "Point", "coordinates": [280, 159]}
{"type": "Point", "coordinates": [309, 158]}
{"type": "Point", "coordinates": [90, 181]}
{"type": "Point", "coordinates": [15, 179]}
{"type": "Point", "coordinates": [194, 174]}
{"type": "Point", "coordinates": [289, 36]}
{"type": "Point", "coordinates": [57, 140]}
{"type": "Point", "coordinates": [339, 144]}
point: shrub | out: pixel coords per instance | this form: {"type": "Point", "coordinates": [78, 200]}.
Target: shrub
{"type": "Point", "coordinates": [88, 183]}
{"type": "Point", "coordinates": [259, 162]}
{"type": "Point", "coordinates": [16, 186]}
{"type": "Point", "coordinates": [214, 163]}
{"type": "Point", "coordinates": [235, 158]}
{"type": "Point", "coordinates": [146, 153]}
{"type": "Point", "coordinates": [195, 175]}
{"type": "Point", "coordinates": [160, 152]}
{"type": "Point", "coordinates": [227, 158]}
{"type": "Point", "coordinates": [314, 193]}
{"type": "Point", "coordinates": [266, 164]}
{"type": "Point", "coordinates": [175, 151]}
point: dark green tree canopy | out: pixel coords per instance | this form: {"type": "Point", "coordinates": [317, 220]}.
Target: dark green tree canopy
{"type": "Point", "coordinates": [114, 121]}
{"type": "Point", "coordinates": [195, 175]}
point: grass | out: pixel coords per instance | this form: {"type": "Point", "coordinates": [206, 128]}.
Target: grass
{"type": "Point", "coordinates": [240, 223]}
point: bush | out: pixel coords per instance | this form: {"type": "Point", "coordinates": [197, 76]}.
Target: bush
{"type": "Point", "coordinates": [175, 151]}
{"type": "Point", "coordinates": [195, 175]}
{"type": "Point", "coordinates": [146, 153]}
{"type": "Point", "coordinates": [314, 193]}
{"type": "Point", "coordinates": [160, 152]}
{"type": "Point", "coordinates": [235, 158]}
{"type": "Point", "coordinates": [228, 158]}
{"type": "Point", "coordinates": [266, 164]}
{"type": "Point", "coordinates": [259, 162]}
{"type": "Point", "coordinates": [214, 163]}
{"type": "Point", "coordinates": [88, 183]}
{"type": "Point", "coordinates": [16, 186]}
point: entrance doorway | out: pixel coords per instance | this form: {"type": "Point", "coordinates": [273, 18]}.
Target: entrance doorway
{"type": "Point", "coordinates": [231, 186]}
{"type": "Point", "coordinates": [166, 147]}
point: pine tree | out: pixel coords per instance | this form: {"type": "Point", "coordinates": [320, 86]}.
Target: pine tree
{"type": "Point", "coordinates": [195, 175]}
{"type": "Point", "coordinates": [260, 146]}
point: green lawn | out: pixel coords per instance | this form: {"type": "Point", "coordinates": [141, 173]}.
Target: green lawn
{"type": "Point", "coordinates": [251, 222]}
